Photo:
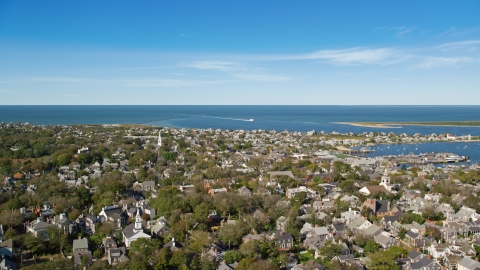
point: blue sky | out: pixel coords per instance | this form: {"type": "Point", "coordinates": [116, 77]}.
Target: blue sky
{"type": "Point", "coordinates": [240, 52]}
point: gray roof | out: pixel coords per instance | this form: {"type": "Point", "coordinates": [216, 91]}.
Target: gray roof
{"type": "Point", "coordinates": [414, 254]}
{"type": "Point", "coordinates": [468, 263]}
{"type": "Point", "coordinates": [423, 262]}
{"type": "Point", "coordinates": [80, 244]}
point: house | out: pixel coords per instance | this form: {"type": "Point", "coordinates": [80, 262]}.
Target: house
{"type": "Point", "coordinates": [368, 190]}
{"type": "Point", "coordinates": [385, 240]}
{"type": "Point", "coordinates": [380, 208]}
{"type": "Point", "coordinates": [284, 240]}
{"type": "Point", "coordinates": [6, 248]}
{"type": "Point", "coordinates": [415, 239]}
{"type": "Point", "coordinates": [81, 253]}
{"type": "Point", "coordinates": [281, 223]}
{"type": "Point", "coordinates": [347, 259]}
{"type": "Point", "coordinates": [224, 266]}
{"type": "Point", "coordinates": [65, 224]}
{"type": "Point", "coordinates": [468, 264]}
{"type": "Point", "coordinates": [7, 263]}
{"type": "Point", "coordinates": [359, 224]}
{"type": "Point", "coordinates": [350, 215]}
{"type": "Point", "coordinates": [113, 214]}
{"type": "Point", "coordinates": [439, 250]}
{"type": "Point", "coordinates": [39, 228]}
{"type": "Point", "coordinates": [423, 264]}
{"type": "Point", "coordinates": [292, 191]}
{"type": "Point", "coordinates": [86, 223]}
{"type": "Point", "coordinates": [450, 262]}
{"type": "Point", "coordinates": [159, 229]}
{"type": "Point", "coordinates": [108, 243]}
{"type": "Point", "coordinates": [116, 255]}
{"type": "Point", "coordinates": [173, 245]}
{"type": "Point", "coordinates": [134, 231]}
{"type": "Point", "coordinates": [323, 205]}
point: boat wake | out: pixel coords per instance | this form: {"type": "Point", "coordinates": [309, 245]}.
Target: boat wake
{"type": "Point", "coordinates": [226, 118]}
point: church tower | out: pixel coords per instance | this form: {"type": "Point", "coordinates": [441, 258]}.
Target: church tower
{"type": "Point", "coordinates": [385, 178]}
{"type": "Point", "coordinates": [138, 222]}
{"type": "Point", "coordinates": [386, 181]}
{"type": "Point", "coordinates": [159, 139]}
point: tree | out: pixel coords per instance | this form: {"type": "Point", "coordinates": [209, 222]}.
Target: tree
{"type": "Point", "coordinates": [169, 156]}
{"type": "Point", "coordinates": [331, 250]}
{"type": "Point", "coordinates": [144, 246]}
{"type": "Point", "coordinates": [64, 159]}
{"type": "Point", "coordinates": [245, 264]}
{"type": "Point", "coordinates": [382, 260]}
{"type": "Point", "coordinates": [402, 232]}
{"type": "Point", "coordinates": [231, 234]}
{"type": "Point", "coordinates": [371, 246]}
{"type": "Point", "coordinates": [33, 243]}
{"type": "Point", "coordinates": [84, 195]}
{"type": "Point", "coordinates": [11, 219]}
{"type": "Point", "coordinates": [199, 240]}
{"type": "Point", "coordinates": [232, 256]}
{"type": "Point", "coordinates": [162, 259]}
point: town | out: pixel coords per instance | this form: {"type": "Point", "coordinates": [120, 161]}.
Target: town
{"type": "Point", "coordinates": [141, 197]}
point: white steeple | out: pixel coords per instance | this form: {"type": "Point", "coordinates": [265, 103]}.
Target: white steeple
{"type": "Point", "coordinates": [385, 178]}
{"type": "Point", "coordinates": [159, 139]}
{"type": "Point", "coordinates": [138, 221]}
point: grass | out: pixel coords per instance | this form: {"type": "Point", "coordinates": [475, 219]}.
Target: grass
{"type": "Point", "coordinates": [305, 257]}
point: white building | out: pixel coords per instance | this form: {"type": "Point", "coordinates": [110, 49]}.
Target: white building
{"type": "Point", "coordinates": [134, 231]}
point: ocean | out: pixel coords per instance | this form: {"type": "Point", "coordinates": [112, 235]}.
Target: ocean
{"type": "Point", "coordinates": [292, 118]}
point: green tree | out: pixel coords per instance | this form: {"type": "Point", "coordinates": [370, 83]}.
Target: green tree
{"type": "Point", "coordinates": [331, 250]}
{"type": "Point", "coordinates": [64, 159]}
{"type": "Point", "coordinates": [199, 240]}
{"type": "Point", "coordinates": [245, 264]}
{"type": "Point", "coordinates": [382, 260]}
{"type": "Point", "coordinates": [145, 247]}
{"type": "Point", "coordinates": [232, 256]}
{"type": "Point", "coordinates": [371, 246]}
{"type": "Point", "coordinates": [401, 233]}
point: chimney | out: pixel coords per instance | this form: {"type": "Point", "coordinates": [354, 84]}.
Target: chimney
{"type": "Point", "coordinates": [418, 249]}
{"type": "Point", "coordinates": [476, 259]}
{"type": "Point", "coordinates": [429, 256]}
{"type": "Point", "coordinates": [79, 237]}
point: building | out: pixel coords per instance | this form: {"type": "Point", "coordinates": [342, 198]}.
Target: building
{"type": "Point", "coordinates": [81, 253]}
{"type": "Point", "coordinates": [134, 231]}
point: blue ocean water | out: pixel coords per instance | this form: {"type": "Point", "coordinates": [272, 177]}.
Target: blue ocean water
{"type": "Point", "coordinates": [292, 118]}
{"type": "Point", "coordinates": [467, 149]}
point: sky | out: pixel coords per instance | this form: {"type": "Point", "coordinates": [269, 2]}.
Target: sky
{"type": "Point", "coordinates": [239, 52]}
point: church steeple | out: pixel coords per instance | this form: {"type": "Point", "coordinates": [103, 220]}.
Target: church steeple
{"type": "Point", "coordinates": [159, 139]}
{"type": "Point", "coordinates": [386, 178]}
{"type": "Point", "coordinates": [138, 221]}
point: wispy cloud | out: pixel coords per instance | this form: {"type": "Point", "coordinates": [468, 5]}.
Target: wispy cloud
{"type": "Point", "coordinates": [448, 31]}
{"type": "Point", "coordinates": [468, 45]}
{"type": "Point", "coordinates": [59, 79]}
{"type": "Point", "coordinates": [356, 56]}
{"type": "Point", "coordinates": [437, 62]}
{"type": "Point", "coordinates": [261, 77]}
{"type": "Point", "coordinates": [399, 30]}
{"type": "Point", "coordinates": [238, 71]}
{"type": "Point", "coordinates": [168, 83]}
{"type": "Point", "coordinates": [216, 65]}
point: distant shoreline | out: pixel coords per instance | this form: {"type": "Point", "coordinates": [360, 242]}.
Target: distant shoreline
{"type": "Point", "coordinates": [399, 124]}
